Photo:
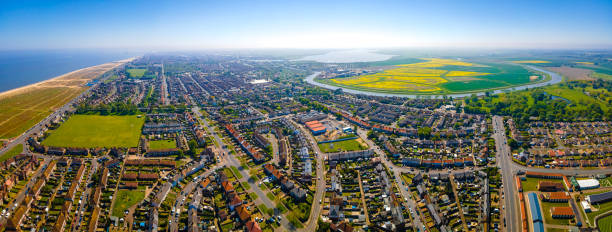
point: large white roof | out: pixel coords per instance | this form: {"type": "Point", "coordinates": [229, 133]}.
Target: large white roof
{"type": "Point", "coordinates": [588, 183]}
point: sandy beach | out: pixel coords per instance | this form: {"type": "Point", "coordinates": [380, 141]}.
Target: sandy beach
{"type": "Point", "coordinates": [23, 107]}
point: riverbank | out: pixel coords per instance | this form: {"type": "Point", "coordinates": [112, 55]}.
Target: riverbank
{"type": "Point", "coordinates": [24, 107]}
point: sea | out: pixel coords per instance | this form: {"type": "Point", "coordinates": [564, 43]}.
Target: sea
{"type": "Point", "coordinates": [25, 67]}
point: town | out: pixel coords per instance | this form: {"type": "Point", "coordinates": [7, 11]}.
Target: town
{"type": "Point", "coordinates": [240, 143]}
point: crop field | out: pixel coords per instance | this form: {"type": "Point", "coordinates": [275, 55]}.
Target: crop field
{"type": "Point", "coordinates": [91, 131]}
{"type": "Point", "coordinates": [530, 62]}
{"type": "Point", "coordinates": [22, 108]}
{"type": "Point", "coordinates": [439, 76]}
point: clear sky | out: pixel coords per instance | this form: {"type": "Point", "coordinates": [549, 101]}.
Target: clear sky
{"type": "Point", "coordinates": [305, 24]}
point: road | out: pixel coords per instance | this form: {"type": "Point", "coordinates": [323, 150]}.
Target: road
{"type": "Point", "coordinates": [317, 200]}
{"type": "Point", "coordinates": [231, 160]}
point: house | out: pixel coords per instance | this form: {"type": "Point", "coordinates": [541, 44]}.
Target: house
{"type": "Point", "coordinates": [562, 212]}
{"type": "Point", "coordinates": [252, 226]}
{"type": "Point", "coordinates": [243, 214]}
{"type": "Point", "coordinates": [234, 201]}
{"type": "Point", "coordinates": [298, 193]}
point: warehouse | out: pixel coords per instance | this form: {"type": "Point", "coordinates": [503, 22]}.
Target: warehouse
{"type": "Point", "coordinates": [316, 127]}
{"type": "Point", "coordinates": [599, 198]}
{"type": "Point", "coordinates": [588, 184]}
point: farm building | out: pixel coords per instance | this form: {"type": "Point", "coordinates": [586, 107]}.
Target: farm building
{"type": "Point", "coordinates": [588, 184]}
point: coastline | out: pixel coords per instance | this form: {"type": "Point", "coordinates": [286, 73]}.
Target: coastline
{"type": "Point", "coordinates": [30, 87]}
{"type": "Point", "coordinates": [26, 107]}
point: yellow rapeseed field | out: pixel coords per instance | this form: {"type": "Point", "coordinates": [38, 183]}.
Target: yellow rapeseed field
{"type": "Point", "coordinates": [530, 61]}
{"type": "Point", "coordinates": [464, 74]}
{"type": "Point", "coordinates": [410, 77]}
{"type": "Point", "coordinates": [584, 62]}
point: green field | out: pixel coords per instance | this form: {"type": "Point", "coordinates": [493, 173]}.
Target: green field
{"type": "Point", "coordinates": [136, 72]}
{"type": "Point", "coordinates": [162, 144]}
{"type": "Point", "coordinates": [91, 131]}
{"type": "Point", "coordinates": [567, 101]}
{"type": "Point", "coordinates": [439, 76]}
{"type": "Point", "coordinates": [11, 153]}
{"type": "Point", "coordinates": [346, 145]}
{"type": "Point", "coordinates": [125, 199]}
{"type": "Point", "coordinates": [605, 224]}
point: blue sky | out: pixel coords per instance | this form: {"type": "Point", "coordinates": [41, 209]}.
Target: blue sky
{"type": "Point", "coordinates": [307, 24]}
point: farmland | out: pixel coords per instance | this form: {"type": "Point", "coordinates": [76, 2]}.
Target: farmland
{"type": "Point", "coordinates": [97, 131]}
{"type": "Point", "coordinates": [438, 76]}
{"type": "Point", "coordinates": [22, 108]}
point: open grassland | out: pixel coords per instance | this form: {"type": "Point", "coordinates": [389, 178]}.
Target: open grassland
{"type": "Point", "coordinates": [346, 145]}
{"type": "Point", "coordinates": [136, 72]}
{"type": "Point", "coordinates": [162, 144]}
{"type": "Point", "coordinates": [23, 107]}
{"type": "Point", "coordinates": [126, 199]}
{"type": "Point", "coordinates": [97, 131]}
{"type": "Point", "coordinates": [439, 76]}
{"type": "Point", "coordinates": [11, 153]}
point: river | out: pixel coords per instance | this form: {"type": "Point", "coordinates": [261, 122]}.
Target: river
{"type": "Point", "coordinates": [554, 79]}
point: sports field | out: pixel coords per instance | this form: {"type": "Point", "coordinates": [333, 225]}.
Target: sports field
{"type": "Point", "coordinates": [91, 131]}
{"type": "Point", "coordinates": [439, 76]}
{"type": "Point", "coordinates": [136, 72]}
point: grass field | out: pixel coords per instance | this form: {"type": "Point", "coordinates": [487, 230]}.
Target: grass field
{"type": "Point", "coordinates": [605, 224]}
{"type": "Point", "coordinates": [97, 131]}
{"type": "Point", "coordinates": [11, 153]}
{"type": "Point", "coordinates": [438, 76]}
{"type": "Point", "coordinates": [346, 145]}
{"type": "Point", "coordinates": [136, 72]}
{"type": "Point", "coordinates": [599, 209]}
{"type": "Point", "coordinates": [22, 108]}
{"type": "Point", "coordinates": [125, 199]}
{"type": "Point", "coordinates": [162, 144]}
